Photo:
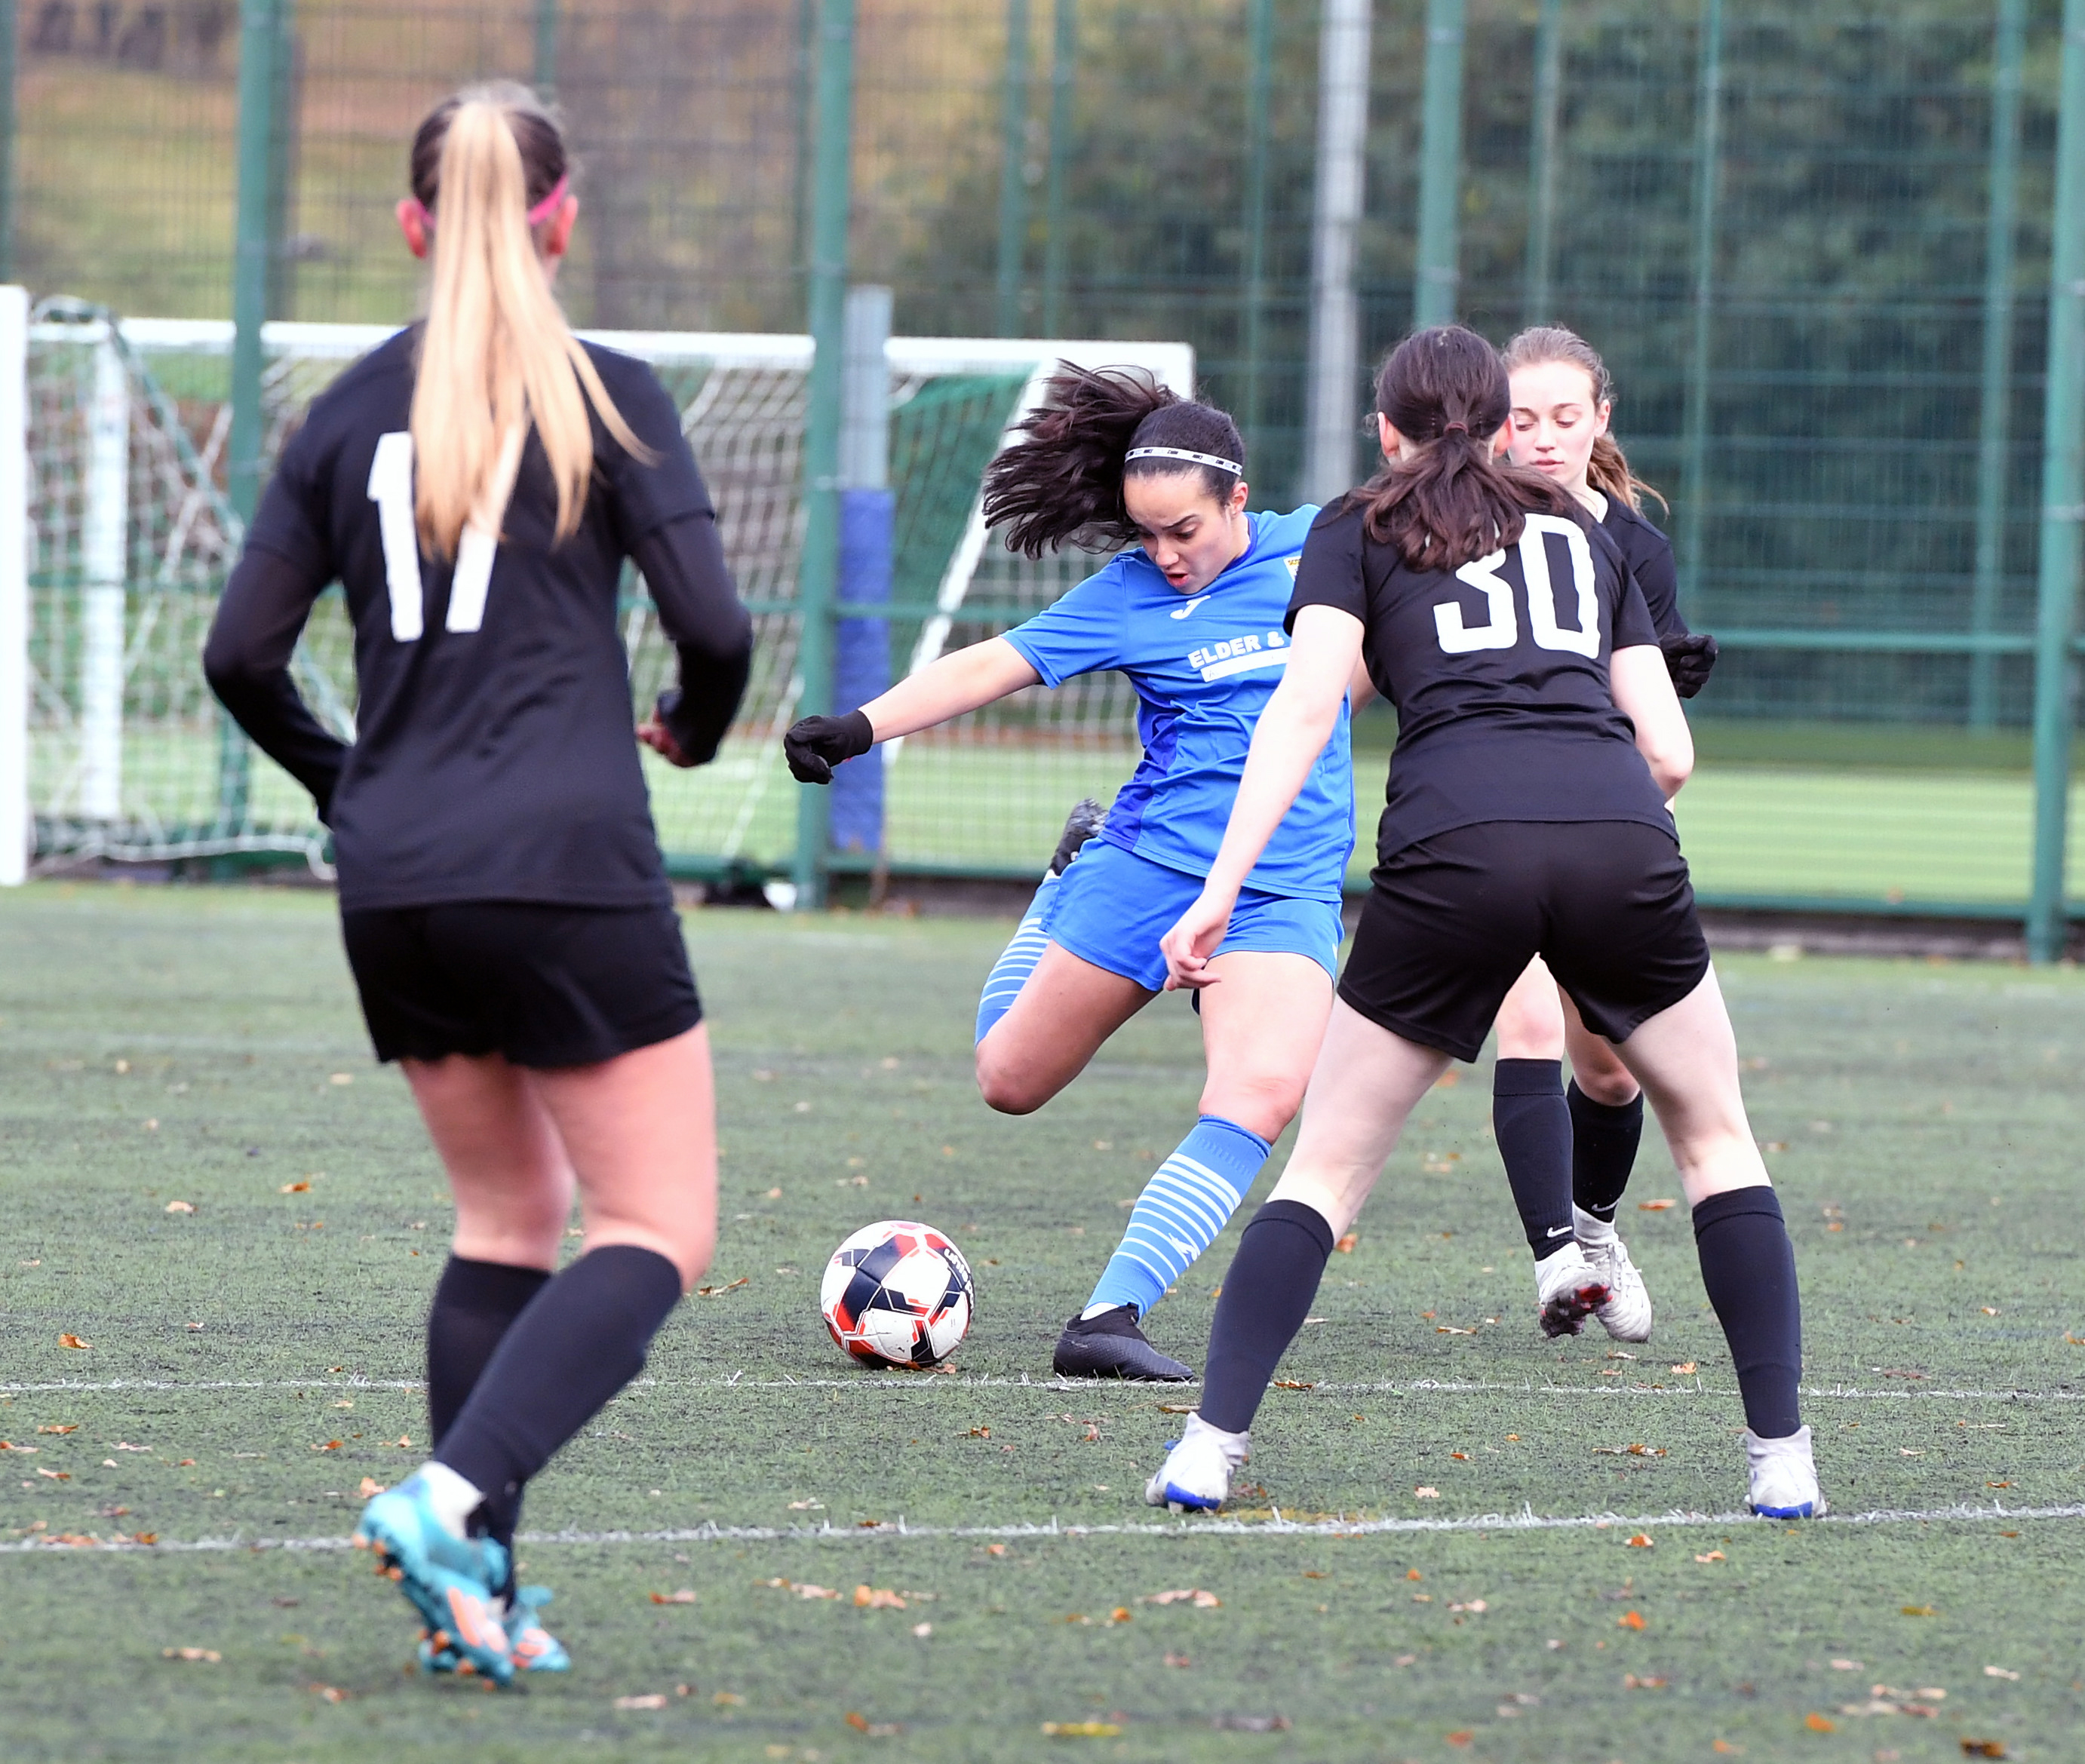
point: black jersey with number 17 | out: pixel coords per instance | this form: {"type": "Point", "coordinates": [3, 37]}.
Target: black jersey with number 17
{"type": "Point", "coordinates": [1498, 671]}
{"type": "Point", "coordinates": [494, 756]}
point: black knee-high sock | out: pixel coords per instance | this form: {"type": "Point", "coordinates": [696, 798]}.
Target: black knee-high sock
{"type": "Point", "coordinates": [475, 1304]}
{"type": "Point", "coordinates": [1533, 1126]}
{"type": "Point", "coordinates": [580, 1342]}
{"type": "Point", "coordinates": [1266, 1295]}
{"type": "Point", "coordinates": [1748, 1266]}
{"type": "Point", "coordinates": [1604, 1138]}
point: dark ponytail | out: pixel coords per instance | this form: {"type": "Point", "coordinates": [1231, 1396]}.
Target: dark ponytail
{"type": "Point", "coordinates": [1062, 481]}
{"type": "Point", "coordinates": [1450, 501]}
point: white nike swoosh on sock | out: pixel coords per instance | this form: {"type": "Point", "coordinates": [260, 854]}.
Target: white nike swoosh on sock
{"type": "Point", "coordinates": [1560, 1231]}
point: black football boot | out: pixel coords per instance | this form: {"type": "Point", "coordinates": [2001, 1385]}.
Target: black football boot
{"type": "Point", "coordinates": [1111, 1345]}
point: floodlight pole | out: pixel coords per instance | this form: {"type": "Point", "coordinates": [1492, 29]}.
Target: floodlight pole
{"type": "Point", "coordinates": [1259, 104]}
{"type": "Point", "coordinates": [1440, 167]}
{"type": "Point", "coordinates": [2063, 492]}
{"type": "Point", "coordinates": [259, 85]}
{"type": "Point", "coordinates": [546, 48]}
{"type": "Point", "coordinates": [1013, 174]}
{"type": "Point", "coordinates": [1708, 146]}
{"type": "Point", "coordinates": [1343, 97]}
{"type": "Point", "coordinates": [1063, 68]}
{"type": "Point", "coordinates": [9, 51]}
{"type": "Point", "coordinates": [819, 570]}
{"type": "Point", "coordinates": [1542, 162]}
{"type": "Point", "coordinates": [1994, 422]}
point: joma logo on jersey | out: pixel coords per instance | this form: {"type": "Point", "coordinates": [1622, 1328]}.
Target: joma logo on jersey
{"type": "Point", "coordinates": [1240, 654]}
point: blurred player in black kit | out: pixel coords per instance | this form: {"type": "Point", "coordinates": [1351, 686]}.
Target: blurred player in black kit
{"type": "Point", "coordinates": [476, 484]}
{"type": "Point", "coordinates": [1563, 402]}
{"type": "Point", "coordinates": [1539, 737]}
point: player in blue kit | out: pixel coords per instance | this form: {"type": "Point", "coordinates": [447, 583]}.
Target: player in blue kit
{"type": "Point", "coordinates": [1193, 614]}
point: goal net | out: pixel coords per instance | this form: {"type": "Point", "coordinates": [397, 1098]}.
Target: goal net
{"type": "Point", "coordinates": [130, 540]}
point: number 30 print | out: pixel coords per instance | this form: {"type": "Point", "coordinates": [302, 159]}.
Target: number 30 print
{"type": "Point", "coordinates": [1502, 629]}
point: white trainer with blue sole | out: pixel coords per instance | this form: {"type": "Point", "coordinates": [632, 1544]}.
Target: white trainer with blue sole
{"type": "Point", "coordinates": [1196, 1475]}
{"type": "Point", "coordinates": [1784, 1477]}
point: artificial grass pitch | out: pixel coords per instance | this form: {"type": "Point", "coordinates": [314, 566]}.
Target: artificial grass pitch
{"type": "Point", "coordinates": [163, 1049]}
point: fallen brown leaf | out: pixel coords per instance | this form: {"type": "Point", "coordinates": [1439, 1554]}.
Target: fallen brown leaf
{"type": "Point", "coordinates": [370, 1486]}
{"type": "Point", "coordinates": [1713, 1555]}
{"type": "Point", "coordinates": [295, 1188]}
{"type": "Point", "coordinates": [1920, 1610]}
{"type": "Point", "coordinates": [57, 1476]}
{"type": "Point", "coordinates": [685, 1596]}
{"type": "Point", "coordinates": [208, 1656]}
{"type": "Point", "coordinates": [1345, 1245]}
{"type": "Point", "coordinates": [1205, 1601]}
{"type": "Point", "coordinates": [1641, 1541]}
{"type": "Point", "coordinates": [871, 1598]}
{"type": "Point", "coordinates": [1654, 1206]}
{"type": "Point", "coordinates": [180, 1206]}
{"type": "Point", "coordinates": [68, 1339]}
{"type": "Point", "coordinates": [1819, 1723]}
{"type": "Point", "coordinates": [1629, 1620]}
{"type": "Point", "coordinates": [329, 1693]}
{"type": "Point", "coordinates": [70, 1426]}
{"type": "Point", "coordinates": [1685, 1368]}
{"type": "Point", "coordinates": [1081, 1730]}
{"type": "Point", "coordinates": [1426, 1494]}
{"type": "Point", "coordinates": [656, 1700]}
{"type": "Point", "coordinates": [1983, 1747]}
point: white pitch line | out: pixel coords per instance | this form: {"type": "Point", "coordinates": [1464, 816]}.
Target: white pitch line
{"type": "Point", "coordinates": [1059, 1387]}
{"type": "Point", "coordinates": [1526, 1519]}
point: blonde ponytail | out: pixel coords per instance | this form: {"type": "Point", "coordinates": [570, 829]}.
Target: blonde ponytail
{"type": "Point", "coordinates": [496, 354]}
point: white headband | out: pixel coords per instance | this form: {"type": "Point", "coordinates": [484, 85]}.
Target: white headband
{"type": "Point", "coordinates": [1221, 464]}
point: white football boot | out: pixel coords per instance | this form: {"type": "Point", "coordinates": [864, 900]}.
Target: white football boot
{"type": "Point", "coordinates": [1196, 1475]}
{"type": "Point", "coordinates": [1567, 1290]}
{"type": "Point", "coordinates": [1626, 1315]}
{"type": "Point", "coordinates": [1784, 1477]}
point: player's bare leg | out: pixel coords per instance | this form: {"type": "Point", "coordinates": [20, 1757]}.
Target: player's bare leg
{"type": "Point", "coordinates": [1063, 1016]}
{"type": "Point", "coordinates": [1366, 1083]}
{"type": "Point", "coordinates": [636, 1136]}
{"type": "Point", "coordinates": [1261, 1026]}
{"type": "Point", "coordinates": [1686, 1058]}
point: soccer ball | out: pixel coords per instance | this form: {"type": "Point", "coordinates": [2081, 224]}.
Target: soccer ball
{"type": "Point", "coordinates": [897, 1294]}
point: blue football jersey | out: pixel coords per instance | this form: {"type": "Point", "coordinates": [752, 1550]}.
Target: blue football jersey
{"type": "Point", "coordinates": [1203, 666]}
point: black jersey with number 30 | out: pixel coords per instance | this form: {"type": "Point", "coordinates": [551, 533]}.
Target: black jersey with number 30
{"type": "Point", "coordinates": [1498, 671]}
{"type": "Point", "coordinates": [494, 756]}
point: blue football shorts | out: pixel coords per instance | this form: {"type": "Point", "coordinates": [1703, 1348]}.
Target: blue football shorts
{"type": "Point", "coordinates": [1113, 906]}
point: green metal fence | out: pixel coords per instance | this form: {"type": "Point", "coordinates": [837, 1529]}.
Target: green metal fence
{"type": "Point", "coordinates": [1815, 243]}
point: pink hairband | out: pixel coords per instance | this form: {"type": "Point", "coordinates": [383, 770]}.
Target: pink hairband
{"type": "Point", "coordinates": [541, 212]}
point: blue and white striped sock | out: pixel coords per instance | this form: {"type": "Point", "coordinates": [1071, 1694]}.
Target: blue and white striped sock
{"type": "Point", "coordinates": [1018, 961]}
{"type": "Point", "coordinates": [1185, 1204]}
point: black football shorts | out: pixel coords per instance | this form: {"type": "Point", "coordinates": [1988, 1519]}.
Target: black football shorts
{"type": "Point", "coordinates": [546, 986]}
{"type": "Point", "coordinates": [1453, 920]}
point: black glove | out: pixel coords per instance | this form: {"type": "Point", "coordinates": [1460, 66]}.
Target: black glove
{"type": "Point", "coordinates": [814, 746]}
{"type": "Point", "coordinates": [1688, 658]}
